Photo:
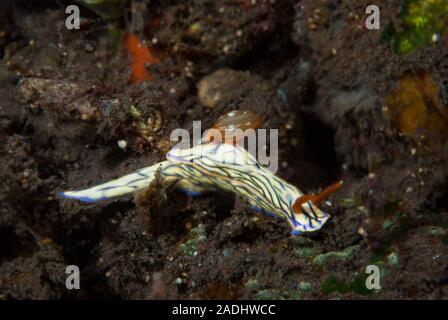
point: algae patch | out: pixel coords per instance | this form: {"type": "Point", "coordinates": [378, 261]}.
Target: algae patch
{"type": "Point", "coordinates": [422, 23]}
{"type": "Point", "coordinates": [196, 235]}
{"type": "Point", "coordinates": [414, 107]}
{"type": "Point", "coordinates": [333, 284]}
{"type": "Point", "coordinates": [344, 254]}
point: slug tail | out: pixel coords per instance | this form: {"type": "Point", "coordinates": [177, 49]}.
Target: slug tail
{"type": "Point", "coordinates": [119, 187]}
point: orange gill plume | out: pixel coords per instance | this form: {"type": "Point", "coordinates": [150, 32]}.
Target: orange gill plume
{"type": "Point", "coordinates": [233, 125]}
{"type": "Point", "coordinates": [316, 199]}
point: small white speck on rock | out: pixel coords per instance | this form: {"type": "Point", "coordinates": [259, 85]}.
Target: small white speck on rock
{"type": "Point", "coordinates": [122, 144]}
{"type": "Point", "coordinates": [435, 37]}
{"type": "Point", "coordinates": [362, 231]}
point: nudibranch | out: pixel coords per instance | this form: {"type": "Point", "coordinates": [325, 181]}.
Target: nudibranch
{"type": "Point", "coordinates": [222, 166]}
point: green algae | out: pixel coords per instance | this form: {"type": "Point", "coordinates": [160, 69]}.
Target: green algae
{"type": "Point", "coordinates": [445, 241]}
{"type": "Point", "coordinates": [422, 22]}
{"type": "Point", "coordinates": [305, 248]}
{"type": "Point", "coordinates": [344, 254]}
{"type": "Point", "coordinates": [437, 231]}
{"type": "Point", "coordinates": [440, 233]}
{"type": "Point", "coordinates": [272, 294]}
{"type": "Point", "coordinates": [304, 286]}
{"type": "Point", "coordinates": [355, 201]}
{"type": "Point", "coordinates": [392, 259]}
{"type": "Point", "coordinates": [332, 284]}
{"type": "Point", "coordinates": [388, 224]}
{"type": "Point", "coordinates": [196, 235]}
{"type": "Point", "coordinates": [276, 294]}
{"type": "Point", "coordinates": [347, 202]}
{"type": "Point", "coordinates": [306, 252]}
{"type": "Point", "coordinates": [252, 284]}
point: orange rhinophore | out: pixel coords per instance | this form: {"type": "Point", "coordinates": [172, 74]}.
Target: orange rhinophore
{"type": "Point", "coordinates": [140, 56]}
{"type": "Point", "coordinates": [318, 198]}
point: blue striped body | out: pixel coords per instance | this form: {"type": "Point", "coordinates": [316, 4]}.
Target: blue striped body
{"type": "Point", "coordinates": [212, 167]}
